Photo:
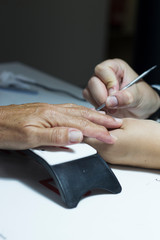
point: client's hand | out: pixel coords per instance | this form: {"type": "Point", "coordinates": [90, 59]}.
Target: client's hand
{"type": "Point", "coordinates": [38, 124]}
{"type": "Point", "coordinates": [137, 144]}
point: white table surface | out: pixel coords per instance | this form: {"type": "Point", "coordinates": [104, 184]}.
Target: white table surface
{"type": "Point", "coordinates": [30, 211]}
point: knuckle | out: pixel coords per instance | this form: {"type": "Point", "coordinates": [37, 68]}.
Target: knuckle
{"type": "Point", "coordinates": [55, 136]}
{"type": "Point", "coordinates": [59, 136]}
{"type": "Point", "coordinates": [102, 128]}
{"type": "Point", "coordinates": [84, 123]}
{"type": "Point", "coordinates": [85, 113]}
{"type": "Point", "coordinates": [71, 105]}
{"type": "Point", "coordinates": [99, 68]}
{"type": "Point", "coordinates": [43, 106]}
{"type": "Point", "coordinates": [46, 110]}
{"type": "Point", "coordinates": [39, 106]}
{"type": "Point", "coordinates": [130, 97]}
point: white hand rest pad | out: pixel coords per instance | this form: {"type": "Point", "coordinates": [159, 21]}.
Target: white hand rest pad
{"type": "Point", "coordinates": [58, 155]}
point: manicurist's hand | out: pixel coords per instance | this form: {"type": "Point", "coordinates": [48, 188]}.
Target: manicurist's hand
{"type": "Point", "coordinates": [138, 101]}
{"type": "Point", "coordinates": [137, 144]}
{"type": "Point", "coordinates": [38, 124]}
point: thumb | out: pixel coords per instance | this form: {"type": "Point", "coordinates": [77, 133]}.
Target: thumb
{"type": "Point", "coordinates": [120, 99]}
{"type": "Point", "coordinates": [59, 136]}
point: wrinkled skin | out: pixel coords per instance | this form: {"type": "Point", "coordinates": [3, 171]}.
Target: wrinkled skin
{"type": "Point", "coordinates": [39, 124]}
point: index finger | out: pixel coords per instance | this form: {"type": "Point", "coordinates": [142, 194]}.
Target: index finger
{"type": "Point", "coordinates": [110, 74]}
{"type": "Point", "coordinates": [91, 115]}
{"type": "Point", "coordinates": [87, 127]}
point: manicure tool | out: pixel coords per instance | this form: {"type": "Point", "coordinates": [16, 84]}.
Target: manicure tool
{"type": "Point", "coordinates": [131, 83]}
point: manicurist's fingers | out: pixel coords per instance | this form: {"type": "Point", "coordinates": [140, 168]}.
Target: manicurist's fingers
{"type": "Point", "coordinates": [97, 90]}
{"type": "Point", "coordinates": [88, 96]}
{"type": "Point", "coordinates": [121, 99]}
{"type": "Point", "coordinates": [109, 72]}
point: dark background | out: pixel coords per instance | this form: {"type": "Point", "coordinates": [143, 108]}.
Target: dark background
{"type": "Point", "coordinates": [68, 38]}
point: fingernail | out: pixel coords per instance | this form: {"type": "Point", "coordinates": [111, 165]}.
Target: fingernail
{"type": "Point", "coordinates": [75, 136]}
{"type": "Point", "coordinates": [112, 101]}
{"type": "Point", "coordinates": [102, 112]}
{"type": "Point", "coordinates": [119, 120]}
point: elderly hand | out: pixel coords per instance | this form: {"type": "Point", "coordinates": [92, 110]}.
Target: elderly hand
{"type": "Point", "coordinates": [138, 101]}
{"type": "Point", "coordinates": [137, 144]}
{"type": "Point", "coordinates": [39, 124]}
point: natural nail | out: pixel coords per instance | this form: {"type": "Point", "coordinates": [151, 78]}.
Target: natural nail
{"type": "Point", "coordinates": [112, 101]}
{"type": "Point", "coordinates": [119, 120]}
{"type": "Point", "coordinates": [75, 136]}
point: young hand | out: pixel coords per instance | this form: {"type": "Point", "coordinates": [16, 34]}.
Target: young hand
{"type": "Point", "coordinates": [138, 101]}
{"type": "Point", "coordinates": [137, 144]}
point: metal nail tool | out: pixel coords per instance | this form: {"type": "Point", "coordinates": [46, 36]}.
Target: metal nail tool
{"type": "Point", "coordinates": [131, 83]}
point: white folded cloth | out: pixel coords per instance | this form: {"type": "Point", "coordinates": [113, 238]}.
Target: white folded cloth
{"type": "Point", "coordinates": [9, 79]}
